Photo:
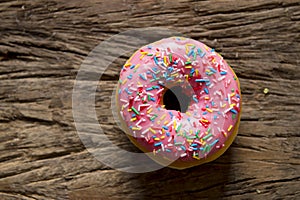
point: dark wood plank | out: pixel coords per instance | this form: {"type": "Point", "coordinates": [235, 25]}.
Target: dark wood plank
{"type": "Point", "coordinates": [42, 46]}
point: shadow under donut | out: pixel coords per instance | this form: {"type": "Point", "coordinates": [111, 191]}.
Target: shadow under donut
{"type": "Point", "coordinates": [207, 181]}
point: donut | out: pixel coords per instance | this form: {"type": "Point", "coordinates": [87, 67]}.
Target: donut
{"type": "Point", "coordinates": [179, 99]}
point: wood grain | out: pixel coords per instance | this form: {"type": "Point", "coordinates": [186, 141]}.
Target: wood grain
{"type": "Point", "coordinates": [42, 45]}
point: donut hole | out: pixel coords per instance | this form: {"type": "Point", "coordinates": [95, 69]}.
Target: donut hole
{"type": "Point", "coordinates": [174, 98]}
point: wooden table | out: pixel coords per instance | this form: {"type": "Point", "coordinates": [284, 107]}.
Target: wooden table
{"type": "Point", "coordinates": [42, 46]}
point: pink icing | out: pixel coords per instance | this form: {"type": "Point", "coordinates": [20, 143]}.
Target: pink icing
{"type": "Point", "coordinates": [203, 74]}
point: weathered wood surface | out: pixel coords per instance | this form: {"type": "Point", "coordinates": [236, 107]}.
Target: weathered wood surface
{"type": "Point", "coordinates": [42, 45]}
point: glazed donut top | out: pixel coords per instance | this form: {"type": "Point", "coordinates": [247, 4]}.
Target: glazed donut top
{"type": "Point", "coordinates": [204, 77]}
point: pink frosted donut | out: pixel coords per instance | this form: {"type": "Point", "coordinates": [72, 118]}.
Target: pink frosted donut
{"type": "Point", "coordinates": [180, 100]}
